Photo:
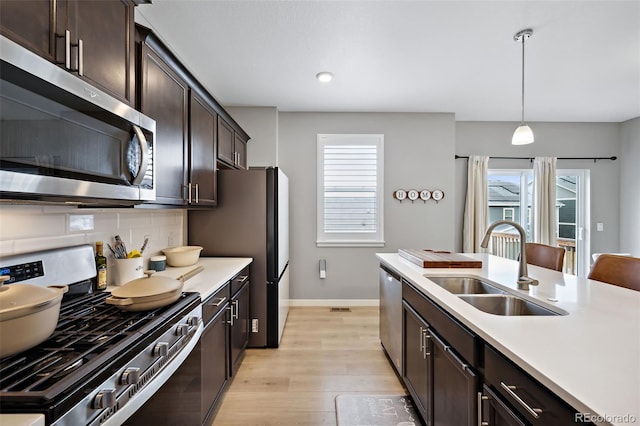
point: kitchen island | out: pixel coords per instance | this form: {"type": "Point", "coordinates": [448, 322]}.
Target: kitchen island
{"type": "Point", "coordinates": [589, 357]}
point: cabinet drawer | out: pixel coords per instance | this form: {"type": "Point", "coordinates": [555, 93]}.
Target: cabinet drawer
{"type": "Point", "coordinates": [457, 335]}
{"type": "Point", "coordinates": [215, 303]}
{"type": "Point", "coordinates": [239, 280]}
{"type": "Point", "coordinates": [537, 404]}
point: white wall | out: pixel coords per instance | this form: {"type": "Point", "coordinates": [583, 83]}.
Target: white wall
{"type": "Point", "coordinates": [552, 139]}
{"type": "Point", "coordinates": [27, 228]}
{"type": "Point", "coordinates": [419, 152]}
{"type": "Point", "coordinates": [630, 187]}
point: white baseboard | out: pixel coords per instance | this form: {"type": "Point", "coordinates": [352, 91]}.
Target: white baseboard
{"type": "Point", "coordinates": [338, 303]}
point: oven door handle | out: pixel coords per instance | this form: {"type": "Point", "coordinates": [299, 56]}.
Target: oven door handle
{"type": "Point", "coordinates": [154, 385]}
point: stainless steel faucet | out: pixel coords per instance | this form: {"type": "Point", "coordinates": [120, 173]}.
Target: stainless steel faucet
{"type": "Point", "coordinates": [524, 280]}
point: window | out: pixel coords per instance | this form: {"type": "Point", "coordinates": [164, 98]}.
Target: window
{"type": "Point", "coordinates": [349, 190]}
{"type": "Point", "coordinates": [510, 195]}
{"type": "Point", "coordinates": [507, 213]}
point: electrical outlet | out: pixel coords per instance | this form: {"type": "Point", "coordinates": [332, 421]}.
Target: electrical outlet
{"type": "Point", "coordinates": [171, 239]}
{"type": "Point", "coordinates": [600, 226]}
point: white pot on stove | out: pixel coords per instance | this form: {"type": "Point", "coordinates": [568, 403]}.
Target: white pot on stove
{"type": "Point", "coordinates": [28, 315]}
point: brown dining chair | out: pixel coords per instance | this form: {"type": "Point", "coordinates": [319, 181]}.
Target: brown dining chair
{"type": "Point", "coordinates": [549, 257]}
{"type": "Point", "coordinates": [623, 271]}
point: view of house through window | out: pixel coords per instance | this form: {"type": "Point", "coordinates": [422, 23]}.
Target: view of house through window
{"type": "Point", "coordinates": [350, 176]}
{"type": "Point", "coordinates": [510, 194]}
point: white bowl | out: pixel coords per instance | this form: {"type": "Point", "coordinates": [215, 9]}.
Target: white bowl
{"type": "Point", "coordinates": [182, 255]}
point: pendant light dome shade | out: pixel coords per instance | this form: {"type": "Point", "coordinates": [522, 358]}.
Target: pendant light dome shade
{"type": "Point", "coordinates": [523, 134]}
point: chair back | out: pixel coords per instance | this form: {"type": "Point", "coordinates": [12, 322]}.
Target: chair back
{"type": "Point", "coordinates": [546, 256]}
{"type": "Point", "coordinates": [623, 271]}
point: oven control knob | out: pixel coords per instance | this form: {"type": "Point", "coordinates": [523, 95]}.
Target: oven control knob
{"type": "Point", "coordinates": [182, 330]}
{"type": "Point", "coordinates": [161, 349]}
{"type": "Point", "coordinates": [193, 321]}
{"type": "Point", "coordinates": [130, 376]}
{"type": "Point", "coordinates": [106, 398]}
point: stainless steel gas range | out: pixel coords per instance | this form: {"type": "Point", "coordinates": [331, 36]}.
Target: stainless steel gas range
{"type": "Point", "coordinates": [101, 364]}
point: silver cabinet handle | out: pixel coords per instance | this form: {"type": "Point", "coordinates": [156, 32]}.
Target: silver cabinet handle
{"type": "Point", "coordinates": [230, 322]}
{"type": "Point", "coordinates": [80, 57]}
{"type": "Point", "coordinates": [481, 398]}
{"type": "Point", "coordinates": [427, 336]}
{"type": "Point", "coordinates": [219, 301]}
{"type": "Point", "coordinates": [421, 337]}
{"type": "Point", "coordinates": [189, 191]}
{"type": "Point", "coordinates": [535, 412]}
{"type": "Point", "coordinates": [243, 279]}
{"type": "Point", "coordinates": [455, 356]}
{"type": "Point", "coordinates": [236, 303]}
{"type": "Point", "coordinates": [67, 49]}
{"type": "Point", "coordinates": [197, 194]}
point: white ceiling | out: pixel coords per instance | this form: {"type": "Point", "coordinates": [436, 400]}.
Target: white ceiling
{"type": "Point", "coordinates": [582, 63]}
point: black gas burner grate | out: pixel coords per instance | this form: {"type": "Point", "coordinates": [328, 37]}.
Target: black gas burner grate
{"type": "Point", "coordinates": [87, 327]}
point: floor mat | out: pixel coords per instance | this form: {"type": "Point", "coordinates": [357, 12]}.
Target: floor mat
{"type": "Point", "coordinates": [375, 410]}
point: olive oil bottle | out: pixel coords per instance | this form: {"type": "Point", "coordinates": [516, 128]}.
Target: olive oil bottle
{"type": "Point", "coordinates": [101, 267]}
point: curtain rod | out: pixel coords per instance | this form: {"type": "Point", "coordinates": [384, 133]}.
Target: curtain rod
{"type": "Point", "coordinates": [613, 158]}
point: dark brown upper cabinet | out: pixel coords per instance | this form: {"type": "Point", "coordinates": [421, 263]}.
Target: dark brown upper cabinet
{"type": "Point", "coordinates": [186, 126]}
{"type": "Point", "coordinates": [232, 146]}
{"type": "Point", "coordinates": [164, 96]}
{"type": "Point", "coordinates": [202, 153]}
{"type": "Point", "coordinates": [92, 39]}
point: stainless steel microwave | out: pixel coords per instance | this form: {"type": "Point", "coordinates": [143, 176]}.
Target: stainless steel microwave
{"type": "Point", "coordinates": [61, 139]}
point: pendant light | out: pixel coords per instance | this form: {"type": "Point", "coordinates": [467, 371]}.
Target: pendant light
{"type": "Point", "coordinates": [523, 134]}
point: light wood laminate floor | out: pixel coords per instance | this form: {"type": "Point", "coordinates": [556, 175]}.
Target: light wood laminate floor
{"type": "Point", "coordinates": [322, 354]}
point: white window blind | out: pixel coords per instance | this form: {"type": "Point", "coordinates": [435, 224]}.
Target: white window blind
{"type": "Point", "coordinates": [350, 177]}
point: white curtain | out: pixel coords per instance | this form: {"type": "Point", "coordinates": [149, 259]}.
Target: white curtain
{"type": "Point", "coordinates": [476, 208]}
{"type": "Point", "coordinates": [544, 200]}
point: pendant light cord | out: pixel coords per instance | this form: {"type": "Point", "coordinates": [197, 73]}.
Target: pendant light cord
{"type": "Point", "coordinates": [520, 36]}
{"type": "Point", "coordinates": [522, 105]}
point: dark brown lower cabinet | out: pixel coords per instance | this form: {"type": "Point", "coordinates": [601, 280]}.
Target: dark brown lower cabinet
{"type": "Point", "coordinates": [417, 363]}
{"type": "Point", "coordinates": [239, 327]}
{"type": "Point", "coordinates": [531, 401]}
{"type": "Point", "coordinates": [495, 412]}
{"type": "Point", "coordinates": [215, 361]}
{"type": "Point", "coordinates": [455, 386]}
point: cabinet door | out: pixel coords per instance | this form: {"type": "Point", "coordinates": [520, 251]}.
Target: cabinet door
{"type": "Point", "coordinates": [164, 97]}
{"type": "Point", "coordinates": [226, 152]}
{"type": "Point", "coordinates": [215, 362]}
{"type": "Point", "coordinates": [240, 147]}
{"type": "Point", "coordinates": [202, 152]}
{"type": "Point", "coordinates": [495, 412]}
{"type": "Point", "coordinates": [455, 386]}
{"type": "Point", "coordinates": [239, 327]}
{"type": "Point", "coordinates": [105, 28]}
{"type": "Point", "coordinates": [30, 24]}
{"type": "Point", "coordinates": [417, 362]}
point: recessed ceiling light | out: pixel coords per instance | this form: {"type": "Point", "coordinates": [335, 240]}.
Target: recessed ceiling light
{"type": "Point", "coordinates": [324, 76]}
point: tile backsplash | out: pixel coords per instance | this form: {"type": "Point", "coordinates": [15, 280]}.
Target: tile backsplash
{"type": "Point", "coordinates": [27, 228]}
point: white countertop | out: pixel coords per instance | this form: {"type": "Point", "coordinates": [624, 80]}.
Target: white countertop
{"type": "Point", "coordinates": [217, 271]}
{"type": "Point", "coordinates": [590, 357]}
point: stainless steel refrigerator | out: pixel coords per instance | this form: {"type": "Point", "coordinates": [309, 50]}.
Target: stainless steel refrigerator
{"type": "Point", "coordinates": [252, 220]}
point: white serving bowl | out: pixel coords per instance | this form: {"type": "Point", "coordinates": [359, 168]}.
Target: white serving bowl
{"type": "Point", "coordinates": [182, 255]}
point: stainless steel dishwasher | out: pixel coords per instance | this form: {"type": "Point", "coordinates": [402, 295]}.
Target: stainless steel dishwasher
{"type": "Point", "coordinates": [391, 316]}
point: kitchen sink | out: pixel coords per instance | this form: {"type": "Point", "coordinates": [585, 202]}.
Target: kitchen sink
{"type": "Point", "coordinates": [505, 304]}
{"type": "Point", "coordinates": [489, 298]}
{"type": "Point", "coordinates": [465, 285]}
